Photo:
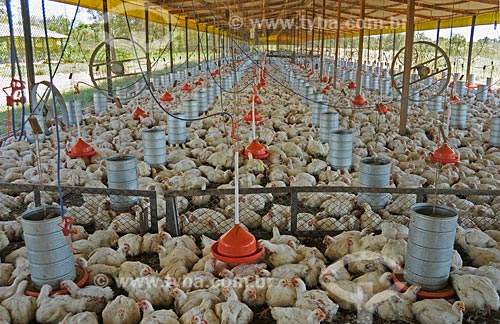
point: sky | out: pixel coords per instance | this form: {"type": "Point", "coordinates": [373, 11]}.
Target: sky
{"type": "Point", "coordinates": [55, 8]}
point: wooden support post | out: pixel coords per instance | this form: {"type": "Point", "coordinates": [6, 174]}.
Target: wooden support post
{"type": "Point", "coordinates": [170, 45]}
{"type": "Point", "coordinates": [393, 44]}
{"type": "Point", "coordinates": [368, 47]}
{"type": "Point", "coordinates": [380, 49]}
{"type": "Point", "coordinates": [410, 29]}
{"type": "Point", "coordinates": [187, 46]}
{"type": "Point", "coordinates": [146, 31]}
{"type": "Point", "coordinates": [28, 46]}
{"type": "Point", "coordinates": [471, 43]}
{"type": "Point", "coordinates": [437, 43]}
{"type": "Point", "coordinates": [322, 26]}
{"type": "Point", "coordinates": [107, 36]}
{"type": "Point", "coordinates": [360, 47]}
{"type": "Point", "coordinates": [337, 43]}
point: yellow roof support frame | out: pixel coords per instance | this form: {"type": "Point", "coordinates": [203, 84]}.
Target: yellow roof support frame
{"type": "Point", "coordinates": [136, 9]}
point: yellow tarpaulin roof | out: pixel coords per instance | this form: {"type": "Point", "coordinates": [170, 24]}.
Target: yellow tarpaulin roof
{"type": "Point", "coordinates": [214, 17]}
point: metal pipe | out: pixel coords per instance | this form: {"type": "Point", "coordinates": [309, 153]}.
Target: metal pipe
{"type": "Point", "coordinates": [312, 34]}
{"type": "Point", "coordinates": [199, 45]}
{"type": "Point", "coordinates": [410, 29]}
{"type": "Point", "coordinates": [471, 43]}
{"type": "Point", "coordinates": [393, 44]}
{"type": "Point", "coordinates": [360, 47]}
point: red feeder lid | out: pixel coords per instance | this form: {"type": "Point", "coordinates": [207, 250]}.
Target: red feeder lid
{"type": "Point", "coordinates": [262, 81]}
{"type": "Point", "coordinates": [138, 112]}
{"type": "Point", "coordinates": [490, 90]}
{"type": "Point", "coordinates": [324, 79]}
{"type": "Point", "coordinates": [452, 84]}
{"type": "Point", "coordinates": [248, 117]}
{"type": "Point", "coordinates": [166, 97]}
{"type": "Point", "coordinates": [454, 99]}
{"type": "Point", "coordinates": [186, 87]}
{"type": "Point", "coordinates": [444, 154]}
{"type": "Point", "coordinates": [236, 246]}
{"type": "Point", "coordinates": [199, 81]}
{"type": "Point", "coordinates": [81, 149]}
{"type": "Point", "coordinates": [351, 85]}
{"type": "Point", "coordinates": [257, 150]}
{"type": "Point", "coordinates": [359, 101]}
{"type": "Point", "coordinates": [301, 67]}
{"type": "Point", "coordinates": [214, 73]}
{"type": "Point", "coordinates": [309, 73]}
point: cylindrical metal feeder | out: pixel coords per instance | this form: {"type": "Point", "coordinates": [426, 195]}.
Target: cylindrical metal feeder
{"type": "Point", "coordinates": [495, 131]}
{"type": "Point", "coordinates": [340, 149]}
{"type": "Point", "coordinates": [74, 108]}
{"type": "Point", "coordinates": [460, 88]}
{"type": "Point", "coordinates": [122, 174]}
{"type": "Point", "coordinates": [385, 89]}
{"type": "Point", "coordinates": [122, 94]}
{"type": "Point", "coordinates": [328, 122]}
{"type": "Point", "coordinates": [374, 83]}
{"type": "Point", "coordinates": [190, 109]}
{"type": "Point", "coordinates": [374, 172]}
{"type": "Point", "coordinates": [154, 144]}
{"type": "Point", "coordinates": [435, 104]}
{"type": "Point", "coordinates": [317, 110]}
{"type": "Point", "coordinates": [482, 93]}
{"type": "Point", "coordinates": [430, 245]}
{"type": "Point", "coordinates": [49, 255]}
{"type": "Point", "coordinates": [210, 94]}
{"type": "Point", "coordinates": [458, 117]}
{"type": "Point", "coordinates": [156, 78]}
{"type": "Point", "coordinates": [201, 96]}
{"type": "Point", "coordinates": [100, 102]}
{"type": "Point", "coordinates": [471, 79]}
{"type": "Point", "coordinates": [176, 129]}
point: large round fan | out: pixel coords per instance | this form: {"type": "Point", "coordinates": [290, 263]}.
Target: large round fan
{"type": "Point", "coordinates": [42, 97]}
{"type": "Point", "coordinates": [431, 71]}
{"type": "Point", "coordinates": [124, 68]}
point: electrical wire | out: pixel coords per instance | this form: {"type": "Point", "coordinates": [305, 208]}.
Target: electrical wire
{"type": "Point", "coordinates": [223, 113]}
{"type": "Point", "coordinates": [59, 186]}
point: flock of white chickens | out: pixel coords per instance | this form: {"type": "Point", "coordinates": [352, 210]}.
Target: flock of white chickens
{"type": "Point", "coordinates": [299, 283]}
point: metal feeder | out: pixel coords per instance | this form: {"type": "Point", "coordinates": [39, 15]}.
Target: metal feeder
{"type": "Point", "coordinates": [236, 245]}
{"type": "Point", "coordinates": [444, 154]}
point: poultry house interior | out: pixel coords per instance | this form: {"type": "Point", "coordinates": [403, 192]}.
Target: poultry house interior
{"type": "Point", "coordinates": [360, 192]}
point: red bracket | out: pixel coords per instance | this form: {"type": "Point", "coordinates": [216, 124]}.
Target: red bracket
{"type": "Point", "coordinates": [15, 95]}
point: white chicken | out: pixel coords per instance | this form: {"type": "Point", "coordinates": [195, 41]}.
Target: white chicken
{"type": "Point", "coordinates": [294, 315]}
{"type": "Point", "coordinates": [312, 299]}
{"type": "Point", "coordinates": [475, 291]}
{"type": "Point", "coordinates": [280, 254]}
{"type": "Point", "coordinates": [426, 311]}
{"type": "Point", "coordinates": [232, 311]}
{"type": "Point", "coordinates": [150, 316]}
{"type": "Point", "coordinates": [108, 256]}
{"type": "Point", "coordinates": [122, 310]}
{"type": "Point", "coordinates": [22, 308]}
